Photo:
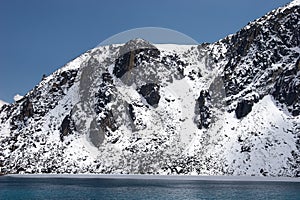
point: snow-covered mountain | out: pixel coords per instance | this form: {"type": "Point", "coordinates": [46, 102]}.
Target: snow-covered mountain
{"type": "Point", "coordinates": [227, 108]}
{"type": "Point", "coordinates": [2, 103]}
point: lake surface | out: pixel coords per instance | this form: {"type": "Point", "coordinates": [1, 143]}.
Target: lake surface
{"type": "Point", "coordinates": [101, 188]}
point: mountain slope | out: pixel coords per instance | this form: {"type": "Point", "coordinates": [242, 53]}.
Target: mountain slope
{"type": "Point", "coordinates": [2, 103]}
{"type": "Point", "coordinates": [231, 107]}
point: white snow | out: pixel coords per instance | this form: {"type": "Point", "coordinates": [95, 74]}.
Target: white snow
{"type": "Point", "coordinates": [182, 92]}
{"type": "Point", "coordinates": [264, 125]}
{"type": "Point", "coordinates": [294, 3]}
{"type": "Point", "coordinates": [174, 47]}
{"type": "Point", "coordinates": [2, 103]}
{"type": "Point", "coordinates": [17, 97]}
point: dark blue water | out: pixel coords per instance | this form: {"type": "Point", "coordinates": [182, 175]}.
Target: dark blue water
{"type": "Point", "coordinates": [75, 188]}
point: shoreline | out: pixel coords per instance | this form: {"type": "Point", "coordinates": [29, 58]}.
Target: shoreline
{"type": "Point", "coordinates": [160, 177]}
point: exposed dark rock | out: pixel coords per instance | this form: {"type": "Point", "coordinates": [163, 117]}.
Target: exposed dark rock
{"type": "Point", "coordinates": [66, 79]}
{"type": "Point", "coordinates": [104, 94]}
{"type": "Point", "coordinates": [201, 98]}
{"type": "Point", "coordinates": [126, 62]}
{"type": "Point", "coordinates": [244, 107]}
{"type": "Point", "coordinates": [127, 59]}
{"type": "Point", "coordinates": [150, 92]}
{"type": "Point", "coordinates": [203, 110]}
{"type": "Point", "coordinates": [67, 127]}
{"type": "Point", "coordinates": [44, 77]}
{"type": "Point", "coordinates": [106, 77]}
{"type": "Point", "coordinates": [108, 122]}
{"type": "Point", "coordinates": [26, 109]}
{"type": "Point", "coordinates": [20, 170]}
{"type": "Point", "coordinates": [131, 112]}
{"type": "Point", "coordinates": [260, 36]}
{"type": "Point", "coordinates": [103, 97]}
{"type": "Point", "coordinates": [287, 89]}
{"type": "Point", "coordinates": [245, 149]}
{"type": "Point", "coordinates": [263, 172]}
{"type": "Point", "coordinates": [101, 127]}
{"type": "Point", "coordinates": [55, 88]}
{"type": "Point", "coordinates": [136, 44]}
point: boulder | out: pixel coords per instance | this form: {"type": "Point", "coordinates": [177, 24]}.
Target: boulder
{"type": "Point", "coordinates": [150, 92]}
{"type": "Point", "coordinates": [67, 127]}
{"type": "Point", "coordinates": [244, 107]}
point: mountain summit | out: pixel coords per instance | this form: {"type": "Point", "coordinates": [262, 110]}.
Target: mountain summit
{"type": "Point", "coordinates": [227, 108]}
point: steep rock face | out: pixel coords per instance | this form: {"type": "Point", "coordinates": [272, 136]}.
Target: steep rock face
{"type": "Point", "coordinates": [67, 127]}
{"type": "Point", "coordinates": [231, 107]}
{"type": "Point", "coordinates": [261, 51]}
{"type": "Point", "coordinates": [287, 89]}
{"type": "Point", "coordinates": [151, 93]}
{"type": "Point", "coordinates": [243, 108]}
{"type": "Point", "coordinates": [126, 61]}
{"type": "Point", "coordinates": [203, 110]}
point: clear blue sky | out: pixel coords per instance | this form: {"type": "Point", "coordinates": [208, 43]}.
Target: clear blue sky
{"type": "Point", "coordinates": [39, 36]}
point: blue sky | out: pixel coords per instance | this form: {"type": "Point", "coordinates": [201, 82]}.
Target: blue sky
{"type": "Point", "coordinates": [37, 37]}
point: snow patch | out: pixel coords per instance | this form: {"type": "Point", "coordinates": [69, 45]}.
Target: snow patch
{"type": "Point", "coordinates": [18, 97]}
{"type": "Point", "coordinates": [2, 103]}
